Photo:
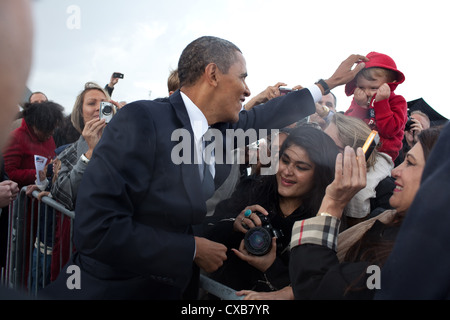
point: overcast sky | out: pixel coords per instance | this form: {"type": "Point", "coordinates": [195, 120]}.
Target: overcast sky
{"type": "Point", "coordinates": [293, 41]}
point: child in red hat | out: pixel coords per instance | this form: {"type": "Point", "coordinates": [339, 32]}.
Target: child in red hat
{"type": "Point", "coordinates": [375, 102]}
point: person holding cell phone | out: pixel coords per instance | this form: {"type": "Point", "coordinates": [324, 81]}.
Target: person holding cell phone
{"type": "Point", "coordinates": [328, 265]}
{"type": "Point", "coordinates": [112, 82]}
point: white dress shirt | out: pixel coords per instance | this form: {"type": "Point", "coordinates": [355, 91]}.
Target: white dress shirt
{"type": "Point", "coordinates": [199, 125]}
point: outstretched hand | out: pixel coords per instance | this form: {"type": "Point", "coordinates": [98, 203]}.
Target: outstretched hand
{"type": "Point", "coordinates": [268, 94]}
{"type": "Point", "coordinates": [347, 70]}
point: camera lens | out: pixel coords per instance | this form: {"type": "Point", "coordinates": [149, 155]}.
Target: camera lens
{"type": "Point", "coordinates": [258, 241]}
{"type": "Point", "coordinates": [107, 109]}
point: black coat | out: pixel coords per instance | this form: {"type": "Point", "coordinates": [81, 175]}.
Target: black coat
{"type": "Point", "coordinates": [316, 272]}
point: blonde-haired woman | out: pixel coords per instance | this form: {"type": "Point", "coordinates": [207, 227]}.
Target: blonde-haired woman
{"type": "Point", "coordinates": [73, 162]}
{"type": "Point", "coordinates": [75, 158]}
{"type": "Point", "coordinates": [374, 198]}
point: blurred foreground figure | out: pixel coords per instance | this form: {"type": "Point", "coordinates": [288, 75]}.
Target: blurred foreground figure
{"type": "Point", "coordinates": [16, 36]}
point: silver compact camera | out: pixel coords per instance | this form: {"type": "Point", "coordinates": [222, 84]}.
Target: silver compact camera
{"type": "Point", "coordinates": [107, 111]}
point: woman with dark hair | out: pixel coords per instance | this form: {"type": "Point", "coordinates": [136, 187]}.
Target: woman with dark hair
{"type": "Point", "coordinates": [306, 168]}
{"type": "Point", "coordinates": [339, 267]}
{"type": "Point", "coordinates": [33, 137]}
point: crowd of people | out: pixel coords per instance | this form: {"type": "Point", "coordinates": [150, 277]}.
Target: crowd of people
{"type": "Point", "coordinates": [146, 226]}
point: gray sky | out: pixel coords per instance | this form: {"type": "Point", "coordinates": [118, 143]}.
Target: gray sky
{"type": "Point", "coordinates": [293, 41]}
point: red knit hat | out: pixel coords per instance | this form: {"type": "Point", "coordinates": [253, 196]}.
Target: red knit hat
{"type": "Point", "coordinates": [379, 60]}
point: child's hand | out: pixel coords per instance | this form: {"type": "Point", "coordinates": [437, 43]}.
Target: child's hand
{"type": "Point", "coordinates": [360, 97]}
{"type": "Point", "coordinates": [383, 92]}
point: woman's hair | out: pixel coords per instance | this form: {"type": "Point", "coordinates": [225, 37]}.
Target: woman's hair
{"type": "Point", "coordinates": [428, 138]}
{"type": "Point", "coordinates": [45, 116]}
{"type": "Point", "coordinates": [377, 252]}
{"type": "Point", "coordinates": [353, 132]}
{"type": "Point", "coordinates": [322, 151]}
{"type": "Point", "coordinates": [77, 111]}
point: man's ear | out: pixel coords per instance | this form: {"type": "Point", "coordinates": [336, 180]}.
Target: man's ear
{"type": "Point", "coordinates": [212, 74]}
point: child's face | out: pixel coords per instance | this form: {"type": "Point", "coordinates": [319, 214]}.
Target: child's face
{"type": "Point", "coordinates": [370, 87]}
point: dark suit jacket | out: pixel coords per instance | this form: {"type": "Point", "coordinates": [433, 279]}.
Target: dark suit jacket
{"type": "Point", "coordinates": [135, 207]}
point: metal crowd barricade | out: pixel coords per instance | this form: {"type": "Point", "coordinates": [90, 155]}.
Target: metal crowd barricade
{"type": "Point", "coordinates": [31, 240]}
{"type": "Point", "coordinates": [36, 251]}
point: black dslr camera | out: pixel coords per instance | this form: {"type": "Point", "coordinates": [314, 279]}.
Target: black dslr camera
{"type": "Point", "coordinates": [258, 240]}
{"type": "Point", "coordinates": [409, 123]}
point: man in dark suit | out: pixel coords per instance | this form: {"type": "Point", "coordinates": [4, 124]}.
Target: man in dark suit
{"type": "Point", "coordinates": [136, 205]}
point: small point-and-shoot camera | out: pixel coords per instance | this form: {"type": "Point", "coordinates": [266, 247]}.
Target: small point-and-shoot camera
{"type": "Point", "coordinates": [107, 111]}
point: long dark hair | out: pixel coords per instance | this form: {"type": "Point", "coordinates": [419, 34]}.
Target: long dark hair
{"type": "Point", "coordinates": [45, 116]}
{"type": "Point", "coordinates": [322, 151]}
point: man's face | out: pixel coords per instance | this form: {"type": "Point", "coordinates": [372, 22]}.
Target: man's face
{"type": "Point", "coordinates": [38, 98]}
{"type": "Point", "coordinates": [232, 90]}
{"type": "Point", "coordinates": [328, 101]}
{"type": "Point", "coordinates": [420, 123]}
{"type": "Point", "coordinates": [423, 121]}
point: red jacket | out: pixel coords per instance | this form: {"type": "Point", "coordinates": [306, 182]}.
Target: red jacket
{"type": "Point", "coordinates": [19, 154]}
{"type": "Point", "coordinates": [390, 119]}
{"type": "Point", "coordinates": [390, 114]}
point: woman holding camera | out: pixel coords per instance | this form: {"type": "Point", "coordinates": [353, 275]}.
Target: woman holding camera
{"type": "Point", "coordinates": [75, 158]}
{"type": "Point", "coordinates": [306, 167]}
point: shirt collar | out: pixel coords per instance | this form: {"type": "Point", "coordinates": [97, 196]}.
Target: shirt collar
{"type": "Point", "coordinates": [198, 121]}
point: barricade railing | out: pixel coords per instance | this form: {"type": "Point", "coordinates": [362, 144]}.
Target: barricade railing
{"type": "Point", "coordinates": [40, 244]}
{"type": "Point", "coordinates": [34, 230]}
